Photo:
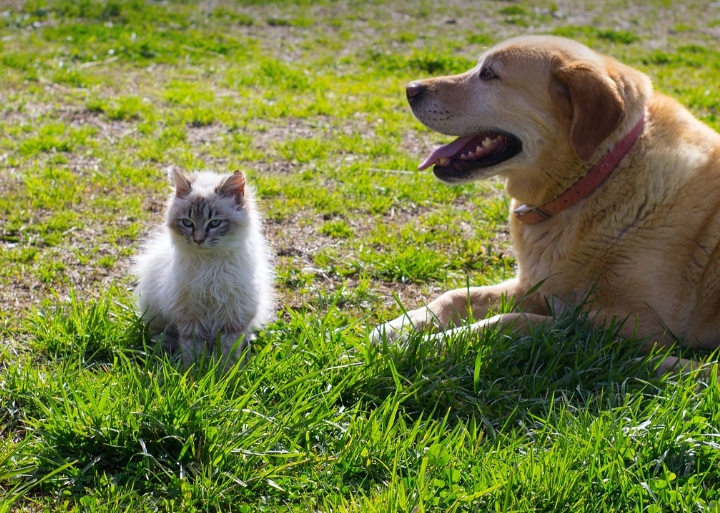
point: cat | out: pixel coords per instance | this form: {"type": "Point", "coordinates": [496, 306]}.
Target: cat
{"type": "Point", "coordinates": [207, 275]}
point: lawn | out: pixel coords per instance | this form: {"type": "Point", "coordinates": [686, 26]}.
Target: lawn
{"type": "Point", "coordinates": [307, 98]}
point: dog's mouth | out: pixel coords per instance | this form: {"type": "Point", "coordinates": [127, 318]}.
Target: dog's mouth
{"type": "Point", "coordinates": [457, 160]}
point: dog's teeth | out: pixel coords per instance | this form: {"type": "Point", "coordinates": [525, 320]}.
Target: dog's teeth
{"type": "Point", "coordinates": [443, 160]}
{"type": "Point", "coordinates": [486, 142]}
{"type": "Point", "coordinates": [478, 149]}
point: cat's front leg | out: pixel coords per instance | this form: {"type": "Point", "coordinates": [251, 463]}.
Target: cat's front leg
{"type": "Point", "coordinates": [190, 344]}
{"type": "Point", "coordinates": [168, 337]}
{"type": "Point", "coordinates": [234, 344]}
{"type": "Point", "coordinates": [193, 344]}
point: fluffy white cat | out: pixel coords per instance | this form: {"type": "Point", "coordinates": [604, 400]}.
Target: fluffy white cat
{"type": "Point", "coordinates": [207, 275]}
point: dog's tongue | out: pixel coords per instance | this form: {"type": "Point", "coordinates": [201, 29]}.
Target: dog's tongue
{"type": "Point", "coordinates": [447, 151]}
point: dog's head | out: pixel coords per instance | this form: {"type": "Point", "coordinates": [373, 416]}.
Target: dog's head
{"type": "Point", "coordinates": [529, 101]}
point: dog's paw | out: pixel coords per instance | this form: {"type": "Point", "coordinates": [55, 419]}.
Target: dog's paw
{"type": "Point", "coordinates": [391, 332]}
{"type": "Point", "coordinates": [398, 330]}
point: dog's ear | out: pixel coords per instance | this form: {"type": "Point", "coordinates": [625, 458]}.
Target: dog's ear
{"type": "Point", "coordinates": [590, 99]}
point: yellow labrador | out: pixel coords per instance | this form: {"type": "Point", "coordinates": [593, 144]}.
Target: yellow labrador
{"type": "Point", "coordinates": [614, 188]}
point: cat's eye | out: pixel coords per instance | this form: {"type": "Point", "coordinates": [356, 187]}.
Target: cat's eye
{"type": "Point", "coordinates": [187, 223]}
{"type": "Point", "coordinates": [214, 223]}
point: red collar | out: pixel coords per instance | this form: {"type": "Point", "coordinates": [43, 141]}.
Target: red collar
{"type": "Point", "coordinates": [584, 186]}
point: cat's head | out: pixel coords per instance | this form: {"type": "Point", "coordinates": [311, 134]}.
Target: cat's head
{"type": "Point", "coordinates": [208, 210]}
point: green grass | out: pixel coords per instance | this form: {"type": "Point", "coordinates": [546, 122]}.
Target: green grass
{"type": "Point", "coordinates": [307, 98]}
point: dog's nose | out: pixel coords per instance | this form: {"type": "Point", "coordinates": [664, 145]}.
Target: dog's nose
{"type": "Point", "coordinates": [413, 90]}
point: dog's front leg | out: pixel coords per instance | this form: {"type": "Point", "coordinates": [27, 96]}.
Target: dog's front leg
{"type": "Point", "coordinates": [452, 308]}
{"type": "Point", "coordinates": [520, 323]}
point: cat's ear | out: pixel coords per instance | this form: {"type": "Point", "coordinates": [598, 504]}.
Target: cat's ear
{"type": "Point", "coordinates": [233, 186]}
{"type": "Point", "coordinates": [182, 184]}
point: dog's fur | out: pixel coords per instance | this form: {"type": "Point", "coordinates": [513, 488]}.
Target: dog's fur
{"type": "Point", "coordinates": [646, 241]}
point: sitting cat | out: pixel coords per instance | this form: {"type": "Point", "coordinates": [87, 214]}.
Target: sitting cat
{"type": "Point", "coordinates": [207, 274]}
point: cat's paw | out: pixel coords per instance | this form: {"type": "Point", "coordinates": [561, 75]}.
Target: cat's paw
{"type": "Point", "coordinates": [234, 346]}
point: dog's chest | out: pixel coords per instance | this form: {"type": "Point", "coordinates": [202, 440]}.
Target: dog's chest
{"type": "Point", "coordinates": [542, 250]}
{"type": "Point", "coordinates": [570, 260]}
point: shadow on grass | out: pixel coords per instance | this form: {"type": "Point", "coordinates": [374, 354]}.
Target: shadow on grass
{"type": "Point", "coordinates": [503, 379]}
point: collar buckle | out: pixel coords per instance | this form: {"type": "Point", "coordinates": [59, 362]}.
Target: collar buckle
{"type": "Point", "coordinates": [530, 215]}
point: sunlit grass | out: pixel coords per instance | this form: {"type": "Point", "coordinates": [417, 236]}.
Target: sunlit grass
{"type": "Point", "coordinates": [307, 99]}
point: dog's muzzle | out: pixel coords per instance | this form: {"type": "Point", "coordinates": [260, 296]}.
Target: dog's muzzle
{"type": "Point", "coordinates": [413, 91]}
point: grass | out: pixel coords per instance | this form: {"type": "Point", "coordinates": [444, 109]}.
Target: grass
{"type": "Point", "coordinates": [307, 99]}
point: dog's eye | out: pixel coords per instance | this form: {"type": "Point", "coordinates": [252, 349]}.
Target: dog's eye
{"type": "Point", "coordinates": [487, 74]}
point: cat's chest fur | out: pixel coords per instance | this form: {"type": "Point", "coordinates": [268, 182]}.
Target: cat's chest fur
{"type": "Point", "coordinates": [222, 287]}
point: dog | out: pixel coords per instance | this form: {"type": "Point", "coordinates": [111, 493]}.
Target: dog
{"type": "Point", "coordinates": [615, 193]}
